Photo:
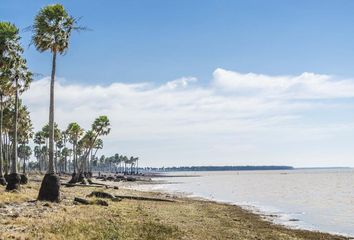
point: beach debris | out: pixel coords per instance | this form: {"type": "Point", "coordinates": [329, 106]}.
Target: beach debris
{"type": "Point", "coordinates": [131, 179]}
{"type": "Point", "coordinates": [47, 205]}
{"type": "Point", "coordinates": [100, 194]}
{"type": "Point", "coordinates": [24, 179]}
{"type": "Point", "coordinates": [81, 185]}
{"type": "Point", "coordinates": [110, 178]}
{"type": "Point", "coordinates": [84, 181]}
{"type": "Point", "coordinates": [83, 201]}
{"type": "Point", "coordinates": [101, 202]}
{"type": "Point", "coordinates": [144, 198]}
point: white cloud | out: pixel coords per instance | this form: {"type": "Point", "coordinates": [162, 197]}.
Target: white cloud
{"type": "Point", "coordinates": [304, 86]}
{"type": "Point", "coordinates": [231, 121]}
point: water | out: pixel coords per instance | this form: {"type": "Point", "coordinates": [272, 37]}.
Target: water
{"type": "Point", "coordinates": [309, 199]}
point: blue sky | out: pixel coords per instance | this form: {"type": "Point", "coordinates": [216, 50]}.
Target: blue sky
{"type": "Point", "coordinates": [135, 41]}
{"type": "Point", "coordinates": [206, 82]}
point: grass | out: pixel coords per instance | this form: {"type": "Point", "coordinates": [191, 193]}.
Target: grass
{"type": "Point", "coordinates": [132, 219]}
{"type": "Point", "coordinates": [26, 193]}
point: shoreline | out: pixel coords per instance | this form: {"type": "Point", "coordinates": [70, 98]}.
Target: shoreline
{"type": "Point", "coordinates": [176, 218]}
{"type": "Point", "coordinates": [292, 223]}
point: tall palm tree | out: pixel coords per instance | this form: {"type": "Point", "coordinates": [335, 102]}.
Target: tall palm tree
{"type": "Point", "coordinates": [25, 133]}
{"type": "Point", "coordinates": [15, 70]}
{"type": "Point", "coordinates": [4, 91]}
{"type": "Point", "coordinates": [51, 32]}
{"type": "Point", "coordinates": [5, 30]}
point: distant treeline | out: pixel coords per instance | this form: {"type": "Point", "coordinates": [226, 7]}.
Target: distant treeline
{"type": "Point", "coordinates": [222, 168]}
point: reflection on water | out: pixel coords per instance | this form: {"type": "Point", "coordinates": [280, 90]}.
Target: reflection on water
{"type": "Point", "coordinates": [311, 199]}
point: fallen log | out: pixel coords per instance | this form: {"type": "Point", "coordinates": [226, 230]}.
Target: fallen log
{"type": "Point", "coordinates": [80, 185]}
{"type": "Point", "coordinates": [101, 184]}
{"type": "Point", "coordinates": [100, 202]}
{"type": "Point", "coordinates": [100, 194]}
{"type": "Point", "coordinates": [82, 201]}
{"type": "Point", "coordinates": [144, 198]}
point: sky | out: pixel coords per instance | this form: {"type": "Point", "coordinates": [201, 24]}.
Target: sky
{"type": "Point", "coordinates": [204, 82]}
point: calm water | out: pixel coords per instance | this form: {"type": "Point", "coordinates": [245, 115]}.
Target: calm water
{"type": "Point", "coordinates": [317, 199]}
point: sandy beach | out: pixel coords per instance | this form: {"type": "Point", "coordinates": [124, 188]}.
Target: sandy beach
{"type": "Point", "coordinates": [163, 217]}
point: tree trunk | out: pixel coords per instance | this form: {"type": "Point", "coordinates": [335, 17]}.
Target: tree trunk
{"type": "Point", "coordinates": [14, 178]}
{"type": "Point", "coordinates": [51, 169]}
{"type": "Point", "coordinates": [56, 159]}
{"type": "Point", "coordinates": [24, 166]}
{"type": "Point", "coordinates": [2, 179]}
{"type": "Point", "coordinates": [50, 187]}
{"type": "Point", "coordinates": [75, 157]}
{"type": "Point", "coordinates": [15, 142]}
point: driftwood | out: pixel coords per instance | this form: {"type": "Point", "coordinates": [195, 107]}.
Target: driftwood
{"type": "Point", "coordinates": [99, 194]}
{"type": "Point", "coordinates": [100, 202]}
{"type": "Point", "coordinates": [100, 184]}
{"type": "Point", "coordinates": [144, 198]}
{"type": "Point", "coordinates": [82, 201]}
{"type": "Point", "coordinates": [87, 202]}
{"type": "Point", "coordinates": [80, 185]}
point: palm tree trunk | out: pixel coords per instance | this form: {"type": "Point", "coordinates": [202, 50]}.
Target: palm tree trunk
{"type": "Point", "coordinates": [50, 187]}
{"type": "Point", "coordinates": [56, 158]}
{"type": "Point", "coordinates": [75, 157]}
{"type": "Point", "coordinates": [2, 180]}
{"type": "Point", "coordinates": [24, 166]}
{"type": "Point", "coordinates": [7, 153]}
{"type": "Point", "coordinates": [137, 166]}
{"type": "Point", "coordinates": [1, 156]}
{"type": "Point", "coordinates": [40, 159]}
{"type": "Point", "coordinates": [15, 157]}
{"type": "Point", "coordinates": [14, 178]}
{"type": "Point", "coordinates": [51, 169]}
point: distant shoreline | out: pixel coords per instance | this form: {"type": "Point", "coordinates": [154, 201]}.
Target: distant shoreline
{"type": "Point", "coordinates": [220, 168]}
{"type": "Point", "coordinates": [233, 168]}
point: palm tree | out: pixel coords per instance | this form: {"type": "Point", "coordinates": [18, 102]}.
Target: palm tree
{"type": "Point", "coordinates": [25, 133]}
{"type": "Point", "coordinates": [86, 143]}
{"type": "Point", "coordinates": [66, 152]}
{"type": "Point", "coordinates": [100, 127]}
{"type": "Point", "coordinates": [24, 153]}
{"type": "Point", "coordinates": [52, 29]}
{"type": "Point", "coordinates": [101, 163]}
{"type": "Point", "coordinates": [4, 91]}
{"type": "Point", "coordinates": [5, 30]}
{"type": "Point", "coordinates": [97, 146]}
{"type": "Point", "coordinates": [116, 159]}
{"type": "Point", "coordinates": [38, 154]}
{"type": "Point", "coordinates": [39, 139]}
{"type": "Point", "coordinates": [74, 132]}
{"type": "Point", "coordinates": [15, 70]}
{"type": "Point", "coordinates": [125, 160]}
